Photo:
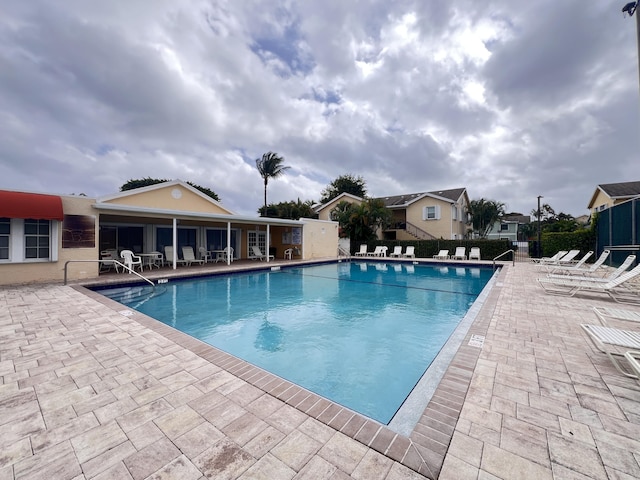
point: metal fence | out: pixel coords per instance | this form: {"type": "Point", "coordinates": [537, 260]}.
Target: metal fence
{"type": "Point", "coordinates": [619, 230]}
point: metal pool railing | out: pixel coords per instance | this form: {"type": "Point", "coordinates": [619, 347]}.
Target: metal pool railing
{"type": "Point", "coordinates": [503, 254]}
{"type": "Point", "coordinates": [107, 262]}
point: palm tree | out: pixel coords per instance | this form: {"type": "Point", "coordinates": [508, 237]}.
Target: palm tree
{"type": "Point", "coordinates": [270, 166]}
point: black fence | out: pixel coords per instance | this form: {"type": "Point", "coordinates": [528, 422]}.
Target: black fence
{"type": "Point", "coordinates": [619, 230]}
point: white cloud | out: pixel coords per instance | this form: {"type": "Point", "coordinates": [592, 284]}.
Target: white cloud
{"type": "Point", "coordinates": [412, 96]}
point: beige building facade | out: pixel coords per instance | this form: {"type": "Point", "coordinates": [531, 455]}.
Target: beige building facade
{"type": "Point", "coordinates": [418, 216]}
{"type": "Point", "coordinates": [59, 233]}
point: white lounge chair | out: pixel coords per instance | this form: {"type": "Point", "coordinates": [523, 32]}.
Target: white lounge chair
{"type": "Point", "coordinates": [604, 313]}
{"type": "Point", "coordinates": [168, 255]}
{"type": "Point", "coordinates": [565, 260]}
{"type": "Point", "coordinates": [553, 259]}
{"type": "Point", "coordinates": [474, 253]}
{"type": "Point", "coordinates": [379, 251]}
{"type": "Point", "coordinates": [578, 269]}
{"type": "Point", "coordinates": [409, 252]}
{"type": "Point", "coordinates": [461, 254]}
{"type": "Point", "coordinates": [571, 286]}
{"type": "Point", "coordinates": [130, 260]}
{"type": "Point", "coordinates": [442, 255]}
{"type": "Point", "coordinates": [632, 357]}
{"type": "Point", "coordinates": [612, 276]}
{"type": "Point", "coordinates": [561, 267]}
{"type": "Point", "coordinates": [613, 342]}
{"type": "Point", "coordinates": [363, 250]}
{"type": "Point", "coordinates": [189, 257]}
{"type": "Point", "coordinates": [257, 254]}
{"type": "Point", "coordinates": [397, 251]}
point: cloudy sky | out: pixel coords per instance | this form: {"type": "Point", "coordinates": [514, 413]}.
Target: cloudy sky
{"type": "Point", "coordinates": [509, 99]}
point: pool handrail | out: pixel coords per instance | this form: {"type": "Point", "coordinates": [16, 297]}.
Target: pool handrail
{"type": "Point", "coordinates": [110, 262]}
{"type": "Point", "coordinates": [502, 255]}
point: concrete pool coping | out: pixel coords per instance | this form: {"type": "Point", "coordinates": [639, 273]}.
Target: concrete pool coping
{"type": "Point", "coordinates": [419, 436]}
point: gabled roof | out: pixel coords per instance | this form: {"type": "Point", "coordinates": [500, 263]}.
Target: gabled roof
{"type": "Point", "coordinates": [617, 191]}
{"type": "Point", "coordinates": [621, 190]}
{"type": "Point", "coordinates": [136, 192]}
{"type": "Point", "coordinates": [402, 201]}
{"type": "Point", "coordinates": [321, 206]}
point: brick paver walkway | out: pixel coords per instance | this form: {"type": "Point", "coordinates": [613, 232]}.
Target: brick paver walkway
{"type": "Point", "coordinates": [87, 392]}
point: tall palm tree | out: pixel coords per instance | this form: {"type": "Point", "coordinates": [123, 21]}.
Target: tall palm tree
{"type": "Point", "coordinates": [270, 166]}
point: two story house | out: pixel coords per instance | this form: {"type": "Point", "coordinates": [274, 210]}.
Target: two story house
{"type": "Point", "coordinates": [417, 216]}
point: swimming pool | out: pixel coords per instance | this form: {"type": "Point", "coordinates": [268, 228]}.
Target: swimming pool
{"type": "Point", "coordinates": [360, 334]}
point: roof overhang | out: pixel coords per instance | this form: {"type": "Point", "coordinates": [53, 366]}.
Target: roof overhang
{"type": "Point", "coordinates": [30, 205]}
{"type": "Point", "coordinates": [218, 217]}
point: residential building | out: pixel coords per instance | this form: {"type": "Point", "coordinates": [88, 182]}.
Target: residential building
{"type": "Point", "coordinates": [508, 227]}
{"type": "Point", "coordinates": [609, 194]}
{"type": "Point", "coordinates": [418, 216]}
{"type": "Point", "coordinates": [42, 235]}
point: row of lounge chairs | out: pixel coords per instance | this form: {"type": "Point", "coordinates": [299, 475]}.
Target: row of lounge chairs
{"type": "Point", "coordinates": [460, 254]}
{"type": "Point", "coordinates": [566, 276]}
{"type": "Point", "coordinates": [381, 251]}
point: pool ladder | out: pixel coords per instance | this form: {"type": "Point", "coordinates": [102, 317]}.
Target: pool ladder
{"type": "Point", "coordinates": [344, 253]}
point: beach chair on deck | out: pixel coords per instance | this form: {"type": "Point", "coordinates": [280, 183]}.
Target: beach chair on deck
{"type": "Point", "coordinates": [474, 253]}
{"type": "Point", "coordinates": [363, 251]}
{"type": "Point", "coordinates": [409, 252]}
{"type": "Point", "coordinates": [565, 260]}
{"type": "Point", "coordinates": [397, 251]}
{"type": "Point", "coordinates": [442, 255]}
{"type": "Point", "coordinates": [578, 267]}
{"type": "Point", "coordinates": [613, 342]}
{"type": "Point", "coordinates": [617, 289]}
{"type": "Point", "coordinates": [461, 254]}
{"type": "Point", "coordinates": [257, 254]}
{"type": "Point", "coordinates": [553, 259]}
{"type": "Point", "coordinates": [189, 257]}
{"type": "Point", "coordinates": [379, 251]}
{"type": "Point", "coordinates": [168, 255]}
{"type": "Point", "coordinates": [612, 276]}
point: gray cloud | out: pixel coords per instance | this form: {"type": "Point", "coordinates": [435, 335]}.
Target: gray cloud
{"type": "Point", "coordinates": [508, 100]}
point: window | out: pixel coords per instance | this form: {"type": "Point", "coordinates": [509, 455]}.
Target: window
{"type": "Point", "coordinates": [431, 212]}
{"type": "Point", "coordinates": [5, 233]}
{"type": "Point", "coordinates": [504, 227]}
{"type": "Point", "coordinates": [37, 235]}
{"type": "Point", "coordinates": [454, 212]}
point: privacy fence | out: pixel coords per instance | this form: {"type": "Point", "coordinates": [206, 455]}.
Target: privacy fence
{"type": "Point", "coordinates": [619, 230]}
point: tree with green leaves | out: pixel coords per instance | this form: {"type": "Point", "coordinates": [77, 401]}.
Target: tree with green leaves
{"type": "Point", "coordinates": [291, 210]}
{"type": "Point", "coordinates": [344, 184]}
{"type": "Point", "coordinates": [270, 166]}
{"type": "Point", "coordinates": [145, 182]}
{"type": "Point", "coordinates": [484, 213]}
{"type": "Point", "coordinates": [359, 221]}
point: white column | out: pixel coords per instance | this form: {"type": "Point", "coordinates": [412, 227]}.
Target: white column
{"type": "Point", "coordinates": [229, 243]}
{"type": "Point", "coordinates": [175, 241]}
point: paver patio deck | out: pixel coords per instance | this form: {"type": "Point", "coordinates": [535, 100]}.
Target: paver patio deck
{"type": "Point", "coordinates": [88, 391]}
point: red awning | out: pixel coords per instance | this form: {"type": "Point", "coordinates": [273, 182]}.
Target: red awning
{"type": "Point", "coordinates": [30, 205]}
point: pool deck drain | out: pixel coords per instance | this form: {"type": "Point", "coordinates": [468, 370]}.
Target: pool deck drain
{"type": "Point", "coordinates": [86, 393]}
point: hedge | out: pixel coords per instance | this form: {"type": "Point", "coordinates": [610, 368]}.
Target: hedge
{"type": "Point", "coordinates": [489, 249]}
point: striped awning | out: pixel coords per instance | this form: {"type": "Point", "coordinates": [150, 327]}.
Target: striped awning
{"type": "Point", "coordinates": [30, 205]}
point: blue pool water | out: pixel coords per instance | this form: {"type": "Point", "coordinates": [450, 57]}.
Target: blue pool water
{"type": "Point", "coordinates": [359, 334]}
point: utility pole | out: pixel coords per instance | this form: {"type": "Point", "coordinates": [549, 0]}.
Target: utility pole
{"type": "Point", "coordinates": [630, 8]}
{"type": "Point", "coordinates": [539, 231]}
